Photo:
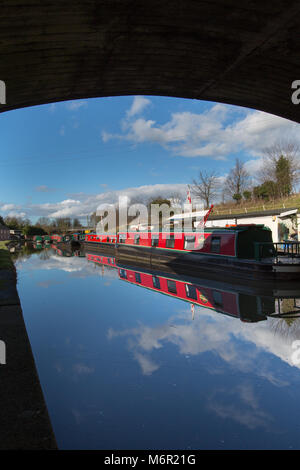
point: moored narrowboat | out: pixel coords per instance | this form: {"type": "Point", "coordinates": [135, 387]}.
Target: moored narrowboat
{"type": "Point", "coordinates": [78, 237]}
{"type": "Point", "coordinates": [98, 242]}
{"type": "Point", "coordinates": [61, 238]}
{"type": "Point", "coordinates": [245, 251]}
{"type": "Point", "coordinates": [106, 239]}
{"type": "Point", "coordinates": [56, 238]}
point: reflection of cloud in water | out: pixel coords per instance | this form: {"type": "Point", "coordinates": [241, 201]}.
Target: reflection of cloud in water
{"type": "Point", "coordinates": [246, 411]}
{"type": "Point", "coordinates": [76, 266]}
{"type": "Point", "coordinates": [238, 344]}
{"type": "Point", "coordinates": [82, 369]}
{"type": "Point", "coordinates": [147, 365]}
{"type": "Point", "coordinates": [49, 283]}
{"type": "Point", "coordinates": [241, 346]}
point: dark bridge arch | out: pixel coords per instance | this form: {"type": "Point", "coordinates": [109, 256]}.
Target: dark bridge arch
{"type": "Point", "coordinates": [243, 52]}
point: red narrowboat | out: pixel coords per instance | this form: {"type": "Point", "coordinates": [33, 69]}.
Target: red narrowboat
{"type": "Point", "coordinates": [94, 239]}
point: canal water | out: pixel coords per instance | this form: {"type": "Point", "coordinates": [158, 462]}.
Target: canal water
{"type": "Point", "coordinates": [125, 367]}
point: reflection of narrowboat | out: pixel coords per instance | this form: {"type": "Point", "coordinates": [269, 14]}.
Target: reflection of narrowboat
{"type": "Point", "coordinates": [38, 239]}
{"type": "Point", "coordinates": [240, 301]}
{"type": "Point", "coordinates": [248, 308]}
{"type": "Point", "coordinates": [60, 252]}
{"type": "Point", "coordinates": [37, 246]}
{"type": "Point", "coordinates": [102, 259]}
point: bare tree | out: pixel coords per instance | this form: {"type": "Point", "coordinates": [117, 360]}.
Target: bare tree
{"type": "Point", "coordinates": [237, 180]}
{"type": "Point", "coordinates": [206, 187]}
{"type": "Point", "coordinates": [290, 150]}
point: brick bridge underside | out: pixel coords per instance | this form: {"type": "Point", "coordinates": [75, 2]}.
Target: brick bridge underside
{"type": "Point", "coordinates": [242, 52]}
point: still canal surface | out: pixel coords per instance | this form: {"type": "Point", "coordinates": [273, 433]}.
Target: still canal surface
{"type": "Point", "coordinates": [123, 367]}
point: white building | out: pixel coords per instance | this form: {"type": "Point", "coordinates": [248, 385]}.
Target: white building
{"type": "Point", "coordinates": [270, 218]}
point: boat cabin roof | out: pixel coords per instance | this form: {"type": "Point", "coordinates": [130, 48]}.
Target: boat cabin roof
{"type": "Point", "coordinates": [235, 228]}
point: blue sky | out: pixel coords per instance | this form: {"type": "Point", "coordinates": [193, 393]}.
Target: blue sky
{"type": "Point", "coordinates": [62, 159]}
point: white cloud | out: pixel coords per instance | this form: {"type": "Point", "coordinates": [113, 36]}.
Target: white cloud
{"type": "Point", "coordinates": [138, 105]}
{"type": "Point", "coordinates": [16, 214]}
{"type": "Point", "coordinates": [216, 133]}
{"type": "Point", "coordinates": [13, 210]}
{"type": "Point", "coordinates": [8, 207]}
{"type": "Point", "coordinates": [86, 204]}
{"type": "Point", "coordinates": [75, 105]}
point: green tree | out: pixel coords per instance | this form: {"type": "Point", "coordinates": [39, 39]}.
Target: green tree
{"type": "Point", "coordinates": [237, 197]}
{"type": "Point", "coordinates": [159, 200]}
{"type": "Point", "coordinates": [247, 195]}
{"type": "Point", "coordinates": [31, 230]}
{"type": "Point", "coordinates": [267, 190]}
{"type": "Point", "coordinates": [281, 165]}
{"type": "Point", "coordinates": [283, 176]}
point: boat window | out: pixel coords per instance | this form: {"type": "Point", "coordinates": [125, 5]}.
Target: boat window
{"type": "Point", "coordinates": [218, 298]}
{"type": "Point", "coordinates": [122, 238]}
{"type": "Point", "coordinates": [191, 291]}
{"type": "Point", "coordinates": [189, 242]}
{"type": "Point", "coordinates": [156, 282]}
{"type": "Point", "coordinates": [136, 239]}
{"type": "Point", "coordinates": [215, 244]}
{"type": "Point", "coordinates": [107, 239]}
{"type": "Point", "coordinates": [138, 277]}
{"type": "Point", "coordinates": [170, 242]}
{"type": "Point", "coordinates": [155, 240]}
{"type": "Point", "coordinates": [172, 286]}
{"type": "Point", "coordinates": [123, 274]}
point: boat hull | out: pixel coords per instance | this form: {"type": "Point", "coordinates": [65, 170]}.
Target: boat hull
{"type": "Point", "coordinates": [206, 264]}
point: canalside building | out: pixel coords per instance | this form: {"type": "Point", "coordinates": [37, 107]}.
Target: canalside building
{"type": "Point", "coordinates": [4, 233]}
{"type": "Point", "coordinates": [284, 223]}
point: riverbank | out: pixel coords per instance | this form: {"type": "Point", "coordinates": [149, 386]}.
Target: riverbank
{"type": "Point", "coordinates": [24, 419]}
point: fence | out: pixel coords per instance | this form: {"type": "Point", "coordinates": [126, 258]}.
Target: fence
{"type": "Point", "coordinates": [263, 250]}
{"type": "Point", "coordinates": [258, 208]}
